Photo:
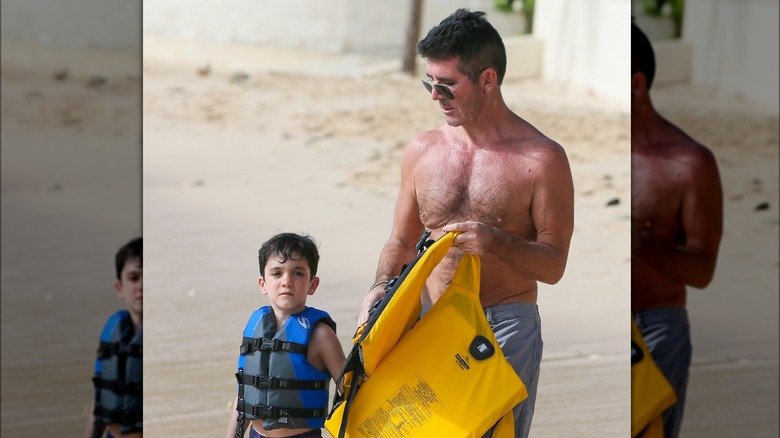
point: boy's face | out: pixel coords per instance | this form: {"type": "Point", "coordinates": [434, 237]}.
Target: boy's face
{"type": "Point", "coordinates": [288, 284]}
{"type": "Point", "coordinates": [130, 287]}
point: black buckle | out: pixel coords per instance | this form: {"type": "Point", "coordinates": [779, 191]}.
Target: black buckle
{"type": "Point", "coordinates": [262, 382]}
{"type": "Point", "coordinates": [268, 344]}
{"type": "Point", "coordinates": [424, 242]}
{"type": "Point", "coordinates": [262, 412]}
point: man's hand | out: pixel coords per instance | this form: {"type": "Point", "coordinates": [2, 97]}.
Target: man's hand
{"type": "Point", "coordinates": [374, 295]}
{"type": "Point", "coordinates": [474, 238]}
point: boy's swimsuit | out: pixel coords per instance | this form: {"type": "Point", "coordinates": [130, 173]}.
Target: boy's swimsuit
{"type": "Point", "coordinates": [276, 383]}
{"type": "Point", "coordinates": [316, 433]}
{"type": "Point", "coordinates": [118, 378]}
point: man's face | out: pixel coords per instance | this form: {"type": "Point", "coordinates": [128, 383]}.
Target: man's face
{"type": "Point", "coordinates": [466, 101]}
{"type": "Point", "coordinates": [287, 283]}
{"type": "Point", "coordinates": [130, 288]}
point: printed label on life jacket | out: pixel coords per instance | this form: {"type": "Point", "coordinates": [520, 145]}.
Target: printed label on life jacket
{"type": "Point", "coordinates": [407, 409]}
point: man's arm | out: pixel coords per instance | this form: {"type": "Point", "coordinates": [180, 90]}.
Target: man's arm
{"type": "Point", "coordinates": [552, 211]}
{"type": "Point", "coordinates": [407, 229]}
{"type": "Point", "coordinates": [692, 263]}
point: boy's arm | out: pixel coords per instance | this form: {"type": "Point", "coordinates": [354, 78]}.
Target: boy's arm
{"type": "Point", "coordinates": [328, 349]}
{"type": "Point", "coordinates": [89, 430]}
{"type": "Point", "coordinates": [232, 422]}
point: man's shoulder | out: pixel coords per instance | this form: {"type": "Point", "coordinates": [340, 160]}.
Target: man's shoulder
{"type": "Point", "coordinates": [692, 153]}
{"type": "Point", "coordinates": [430, 137]}
{"type": "Point", "coordinates": [676, 145]}
{"type": "Point", "coordinates": [541, 148]}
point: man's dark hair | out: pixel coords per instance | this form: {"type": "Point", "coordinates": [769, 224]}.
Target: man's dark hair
{"type": "Point", "coordinates": [290, 246]}
{"type": "Point", "coordinates": [131, 250]}
{"type": "Point", "coordinates": [468, 35]}
{"type": "Point", "coordinates": [642, 54]}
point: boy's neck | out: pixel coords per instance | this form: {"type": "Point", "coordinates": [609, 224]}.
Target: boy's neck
{"type": "Point", "coordinates": [283, 315]}
{"type": "Point", "coordinates": [137, 321]}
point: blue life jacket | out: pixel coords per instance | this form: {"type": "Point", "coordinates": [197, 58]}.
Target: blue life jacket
{"type": "Point", "coordinates": [118, 378]}
{"type": "Point", "coordinates": [276, 383]}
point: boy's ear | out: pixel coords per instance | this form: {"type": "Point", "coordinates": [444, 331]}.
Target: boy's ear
{"type": "Point", "coordinates": [315, 282]}
{"type": "Point", "coordinates": [118, 289]}
{"type": "Point", "coordinates": [261, 283]}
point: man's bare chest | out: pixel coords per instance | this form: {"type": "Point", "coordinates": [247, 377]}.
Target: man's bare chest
{"type": "Point", "coordinates": [493, 193]}
{"type": "Point", "coordinates": [657, 191]}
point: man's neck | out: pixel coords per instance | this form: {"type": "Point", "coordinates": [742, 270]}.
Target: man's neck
{"type": "Point", "coordinates": [646, 124]}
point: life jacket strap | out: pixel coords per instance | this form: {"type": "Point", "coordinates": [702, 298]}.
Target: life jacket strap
{"type": "Point", "coordinates": [250, 345]}
{"type": "Point", "coordinates": [107, 416]}
{"type": "Point", "coordinates": [264, 412]}
{"type": "Point", "coordinates": [263, 382]}
{"type": "Point", "coordinates": [117, 386]}
{"type": "Point", "coordinates": [108, 349]}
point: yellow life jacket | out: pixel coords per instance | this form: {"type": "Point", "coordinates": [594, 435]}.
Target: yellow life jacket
{"type": "Point", "coordinates": [443, 375]}
{"type": "Point", "coordinates": [651, 393]}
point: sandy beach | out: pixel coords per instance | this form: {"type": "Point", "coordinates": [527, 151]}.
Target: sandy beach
{"type": "Point", "coordinates": [270, 141]}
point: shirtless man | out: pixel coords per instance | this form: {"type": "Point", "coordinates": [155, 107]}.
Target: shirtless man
{"type": "Point", "coordinates": [677, 223]}
{"type": "Point", "coordinates": [494, 178]}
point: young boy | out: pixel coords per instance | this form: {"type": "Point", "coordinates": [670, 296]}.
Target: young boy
{"type": "Point", "coordinates": [117, 407]}
{"type": "Point", "coordinates": [289, 352]}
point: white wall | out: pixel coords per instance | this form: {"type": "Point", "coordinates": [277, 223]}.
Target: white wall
{"type": "Point", "coordinates": [735, 46]}
{"type": "Point", "coordinates": [372, 26]}
{"type": "Point", "coordinates": [104, 24]}
{"type": "Point", "coordinates": [310, 24]}
{"type": "Point", "coordinates": [587, 45]}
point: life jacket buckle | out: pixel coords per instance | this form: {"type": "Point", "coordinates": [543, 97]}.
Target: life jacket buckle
{"type": "Point", "coordinates": [261, 381]}
{"type": "Point", "coordinates": [262, 412]}
{"type": "Point", "coordinates": [269, 344]}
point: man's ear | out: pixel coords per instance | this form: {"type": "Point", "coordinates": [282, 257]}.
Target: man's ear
{"type": "Point", "coordinates": [489, 79]}
{"type": "Point", "coordinates": [315, 282]}
{"type": "Point", "coordinates": [638, 84]}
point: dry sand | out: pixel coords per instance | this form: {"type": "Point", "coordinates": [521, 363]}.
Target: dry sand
{"type": "Point", "coordinates": [311, 143]}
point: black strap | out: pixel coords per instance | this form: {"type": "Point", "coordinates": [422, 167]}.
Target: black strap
{"type": "Point", "coordinates": [250, 345]}
{"type": "Point", "coordinates": [117, 416]}
{"type": "Point", "coordinates": [108, 349]}
{"type": "Point", "coordinates": [264, 412]}
{"type": "Point", "coordinates": [240, 408]}
{"type": "Point", "coordinates": [354, 365]}
{"type": "Point", "coordinates": [636, 353]}
{"type": "Point", "coordinates": [117, 386]}
{"type": "Point", "coordinates": [263, 382]}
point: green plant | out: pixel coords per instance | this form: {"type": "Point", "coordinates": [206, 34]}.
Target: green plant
{"type": "Point", "coordinates": [672, 8]}
{"type": "Point", "coordinates": [525, 7]}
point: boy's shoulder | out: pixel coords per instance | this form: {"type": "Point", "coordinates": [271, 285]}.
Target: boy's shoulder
{"type": "Point", "coordinates": [115, 320]}
{"type": "Point", "coordinates": [307, 319]}
{"type": "Point", "coordinates": [315, 316]}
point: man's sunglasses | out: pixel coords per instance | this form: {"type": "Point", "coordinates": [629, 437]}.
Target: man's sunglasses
{"type": "Point", "coordinates": [444, 90]}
